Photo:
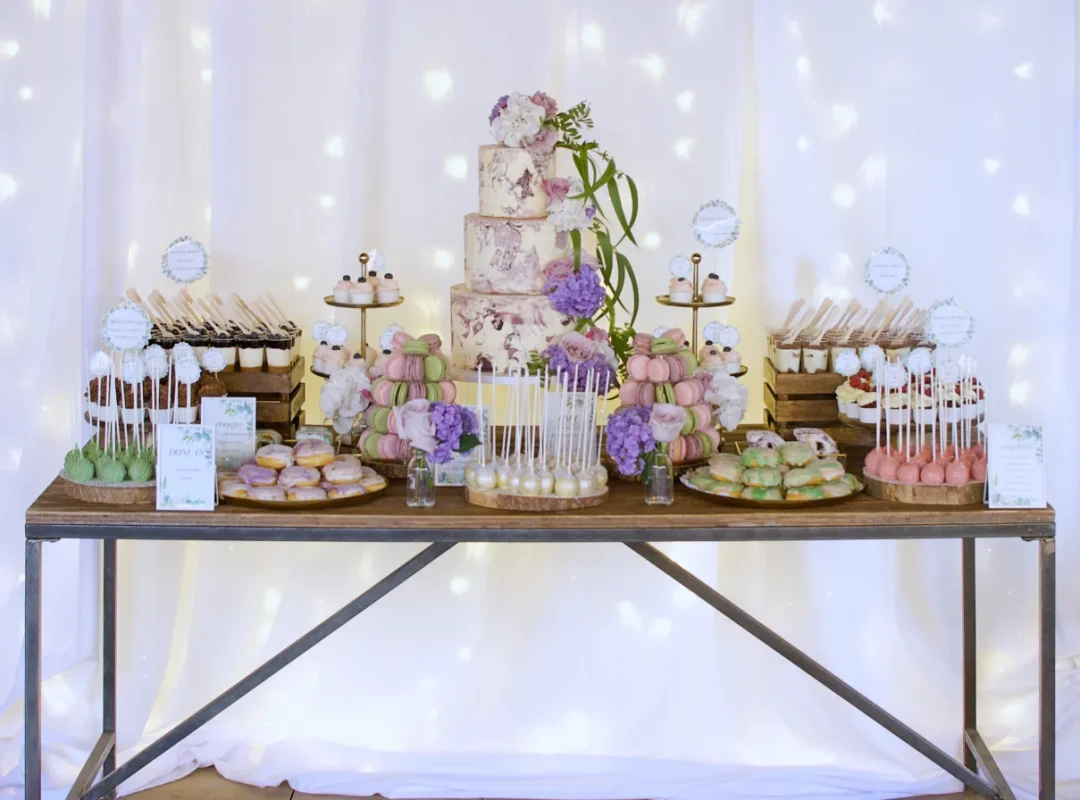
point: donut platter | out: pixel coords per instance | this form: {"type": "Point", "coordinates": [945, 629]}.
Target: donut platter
{"type": "Point", "coordinates": [745, 502]}
{"type": "Point", "coordinates": [305, 505]}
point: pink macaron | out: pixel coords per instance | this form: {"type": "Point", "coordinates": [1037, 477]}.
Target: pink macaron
{"type": "Point", "coordinates": [382, 392]}
{"type": "Point", "coordinates": [658, 370]}
{"type": "Point", "coordinates": [637, 367]}
{"type": "Point", "coordinates": [449, 391]}
{"type": "Point", "coordinates": [693, 447]}
{"type": "Point", "coordinates": [395, 367]}
{"type": "Point", "coordinates": [646, 394]}
{"type": "Point", "coordinates": [629, 392]}
{"type": "Point", "coordinates": [676, 368]}
{"type": "Point", "coordinates": [684, 393]}
{"type": "Point", "coordinates": [414, 368]}
{"type": "Point", "coordinates": [417, 391]}
{"type": "Point", "coordinates": [713, 436]}
{"type": "Point", "coordinates": [388, 446]}
{"type": "Point", "coordinates": [677, 450]}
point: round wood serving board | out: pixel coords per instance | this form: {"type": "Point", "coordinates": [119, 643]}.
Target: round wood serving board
{"type": "Point", "coordinates": [920, 494]}
{"type": "Point", "coordinates": [122, 494]}
{"type": "Point", "coordinates": [504, 501]}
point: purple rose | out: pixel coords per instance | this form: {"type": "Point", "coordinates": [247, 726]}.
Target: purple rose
{"type": "Point", "coordinates": [556, 189]}
{"type": "Point", "coordinates": [499, 106]}
{"type": "Point", "coordinates": [546, 102]}
{"type": "Point", "coordinates": [543, 142]}
{"type": "Point", "coordinates": [558, 270]}
{"type": "Point", "coordinates": [578, 348]}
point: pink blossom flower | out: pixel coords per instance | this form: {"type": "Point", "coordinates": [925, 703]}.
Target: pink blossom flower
{"type": "Point", "coordinates": [666, 422]}
{"type": "Point", "coordinates": [543, 142]}
{"type": "Point", "coordinates": [413, 422]}
{"type": "Point", "coordinates": [595, 334]}
{"type": "Point", "coordinates": [546, 102]}
{"type": "Point", "coordinates": [578, 348]}
{"type": "Point", "coordinates": [558, 270]}
{"type": "Point", "coordinates": [556, 189]}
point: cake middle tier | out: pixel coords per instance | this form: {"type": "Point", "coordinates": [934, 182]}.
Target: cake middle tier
{"type": "Point", "coordinates": [498, 331]}
{"type": "Point", "coordinates": [506, 256]}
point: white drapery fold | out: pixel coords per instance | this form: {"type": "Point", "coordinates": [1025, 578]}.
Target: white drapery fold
{"type": "Point", "coordinates": [289, 136]}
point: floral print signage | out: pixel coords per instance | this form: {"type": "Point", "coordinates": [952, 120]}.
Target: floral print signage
{"type": "Point", "coordinates": [1016, 474]}
{"type": "Point", "coordinates": [186, 471]}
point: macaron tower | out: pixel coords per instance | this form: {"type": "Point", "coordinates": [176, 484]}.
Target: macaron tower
{"type": "Point", "coordinates": [415, 369]}
{"type": "Point", "coordinates": [661, 370]}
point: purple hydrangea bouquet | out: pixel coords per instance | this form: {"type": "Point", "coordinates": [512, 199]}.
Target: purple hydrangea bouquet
{"type": "Point", "coordinates": [436, 428]}
{"type": "Point", "coordinates": [636, 434]}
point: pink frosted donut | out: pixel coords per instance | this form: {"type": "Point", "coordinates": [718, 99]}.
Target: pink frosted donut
{"type": "Point", "coordinates": [233, 488]}
{"type": "Point", "coordinates": [637, 367]}
{"type": "Point", "coordinates": [275, 493]}
{"type": "Point", "coordinates": [658, 370]}
{"type": "Point", "coordinates": [257, 476]}
{"type": "Point", "coordinates": [449, 391]}
{"type": "Point", "coordinates": [395, 367]}
{"type": "Point", "coordinates": [274, 456]}
{"type": "Point", "coordinates": [676, 368]}
{"type": "Point", "coordinates": [306, 493]}
{"type": "Point", "coordinates": [957, 473]}
{"type": "Point", "coordinates": [344, 490]}
{"type": "Point", "coordinates": [933, 474]}
{"type": "Point", "coordinates": [887, 470]}
{"type": "Point", "coordinates": [978, 470]}
{"type": "Point", "coordinates": [343, 472]}
{"type": "Point", "coordinates": [298, 476]}
{"type": "Point", "coordinates": [908, 472]}
{"type": "Point", "coordinates": [646, 394]}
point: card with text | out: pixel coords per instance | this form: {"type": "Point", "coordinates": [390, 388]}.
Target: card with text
{"type": "Point", "coordinates": [233, 421]}
{"type": "Point", "coordinates": [186, 473]}
{"type": "Point", "coordinates": [1016, 475]}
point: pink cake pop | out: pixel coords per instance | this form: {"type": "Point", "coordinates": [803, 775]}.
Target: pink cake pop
{"type": "Point", "coordinates": [957, 473]}
{"type": "Point", "coordinates": [978, 470]}
{"type": "Point", "coordinates": [908, 472]}
{"type": "Point", "coordinates": [933, 474]}
{"type": "Point", "coordinates": [887, 470]}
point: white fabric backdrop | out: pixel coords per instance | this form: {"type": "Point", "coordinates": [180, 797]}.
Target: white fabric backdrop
{"type": "Point", "coordinates": [289, 136]}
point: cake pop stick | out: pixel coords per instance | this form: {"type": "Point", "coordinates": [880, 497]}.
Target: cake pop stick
{"type": "Point", "coordinates": [875, 374]}
{"type": "Point", "coordinates": [604, 420]}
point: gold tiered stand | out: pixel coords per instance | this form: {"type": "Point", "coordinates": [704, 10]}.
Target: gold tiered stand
{"type": "Point", "coordinates": [695, 305]}
{"type": "Point", "coordinates": [330, 301]}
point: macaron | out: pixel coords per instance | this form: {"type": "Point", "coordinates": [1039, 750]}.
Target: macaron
{"type": "Point", "coordinates": [646, 394]}
{"type": "Point", "coordinates": [382, 393]}
{"type": "Point", "coordinates": [433, 340]}
{"type": "Point", "coordinates": [694, 448]}
{"type": "Point", "coordinates": [395, 367]}
{"type": "Point", "coordinates": [388, 446]}
{"type": "Point", "coordinates": [417, 390]}
{"type": "Point", "coordinates": [676, 368]}
{"type": "Point", "coordinates": [643, 343]}
{"type": "Point", "coordinates": [637, 367]}
{"type": "Point", "coordinates": [370, 444]}
{"type": "Point", "coordinates": [702, 415]}
{"type": "Point", "coordinates": [415, 368]}
{"type": "Point", "coordinates": [658, 370]}
{"type": "Point", "coordinates": [684, 393]}
{"type": "Point", "coordinates": [434, 368]}
{"type": "Point", "coordinates": [629, 392]}
{"type": "Point", "coordinates": [449, 391]}
{"type": "Point", "coordinates": [677, 450]}
{"type": "Point", "coordinates": [665, 393]}
{"type": "Point", "coordinates": [689, 360]}
{"type": "Point", "coordinates": [714, 437]}
{"type": "Point", "coordinates": [689, 426]}
{"type": "Point", "coordinates": [432, 392]}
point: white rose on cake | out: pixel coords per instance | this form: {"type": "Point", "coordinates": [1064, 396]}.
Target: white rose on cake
{"type": "Point", "coordinates": [518, 121]}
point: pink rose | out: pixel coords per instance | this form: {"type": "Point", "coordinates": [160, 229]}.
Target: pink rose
{"type": "Point", "coordinates": [578, 348]}
{"type": "Point", "coordinates": [666, 422]}
{"type": "Point", "coordinates": [413, 422]}
{"type": "Point", "coordinates": [556, 189]}
{"type": "Point", "coordinates": [595, 334]}
{"type": "Point", "coordinates": [558, 270]}
{"type": "Point", "coordinates": [543, 142]}
{"type": "Point", "coordinates": [546, 102]}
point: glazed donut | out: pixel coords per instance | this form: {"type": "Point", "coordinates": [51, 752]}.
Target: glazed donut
{"type": "Point", "coordinates": [266, 493]}
{"type": "Point", "coordinates": [233, 488]}
{"type": "Point", "coordinates": [298, 476]}
{"type": "Point", "coordinates": [306, 493]}
{"type": "Point", "coordinates": [314, 453]}
{"type": "Point", "coordinates": [257, 476]}
{"type": "Point", "coordinates": [337, 490]}
{"type": "Point", "coordinates": [274, 456]}
{"type": "Point", "coordinates": [373, 483]}
{"type": "Point", "coordinates": [343, 472]}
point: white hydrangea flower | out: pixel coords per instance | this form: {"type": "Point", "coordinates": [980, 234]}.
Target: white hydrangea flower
{"type": "Point", "coordinates": [568, 214]}
{"type": "Point", "coordinates": [518, 122]}
{"type": "Point", "coordinates": [729, 399]}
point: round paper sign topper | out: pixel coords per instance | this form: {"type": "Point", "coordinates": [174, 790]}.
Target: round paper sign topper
{"type": "Point", "coordinates": [949, 372]}
{"type": "Point", "coordinates": [887, 271]}
{"type": "Point", "coordinates": [319, 329]}
{"type": "Point", "coordinates": [386, 341]}
{"type": "Point", "coordinates": [949, 324]}
{"type": "Point", "coordinates": [126, 326]}
{"type": "Point", "coordinates": [337, 335]}
{"type": "Point", "coordinates": [847, 363]}
{"type": "Point", "coordinates": [716, 224]}
{"type": "Point", "coordinates": [376, 260]}
{"type": "Point", "coordinates": [213, 360]}
{"type": "Point", "coordinates": [185, 260]}
{"type": "Point", "coordinates": [729, 337]}
{"type": "Point", "coordinates": [920, 361]}
{"type": "Point", "coordinates": [895, 376]}
{"type": "Point", "coordinates": [713, 331]}
{"type": "Point", "coordinates": [872, 356]}
{"type": "Point", "coordinates": [680, 267]}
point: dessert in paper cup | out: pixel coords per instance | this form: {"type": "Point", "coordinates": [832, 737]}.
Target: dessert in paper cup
{"type": "Point", "coordinates": [847, 399]}
{"type": "Point", "coordinates": [896, 407]}
{"type": "Point", "coordinates": [713, 290]}
{"type": "Point", "coordinates": [788, 356]}
{"type": "Point", "coordinates": [815, 358]}
{"type": "Point", "coordinates": [924, 411]}
{"type": "Point", "coordinates": [868, 407]}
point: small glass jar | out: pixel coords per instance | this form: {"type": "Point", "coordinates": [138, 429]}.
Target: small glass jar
{"type": "Point", "coordinates": [420, 483]}
{"type": "Point", "coordinates": [659, 480]}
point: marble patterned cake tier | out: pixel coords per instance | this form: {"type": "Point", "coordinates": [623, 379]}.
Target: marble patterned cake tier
{"type": "Point", "coordinates": [512, 181]}
{"type": "Point", "coordinates": [499, 331]}
{"type": "Point", "coordinates": [506, 256]}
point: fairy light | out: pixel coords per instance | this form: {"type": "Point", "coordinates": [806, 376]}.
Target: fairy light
{"type": "Point", "coordinates": [457, 167]}
{"type": "Point", "coordinates": [991, 165]}
{"type": "Point", "coordinates": [327, 201]}
{"type": "Point", "coordinates": [334, 147]}
{"type": "Point", "coordinates": [42, 8]}
{"type": "Point", "coordinates": [1018, 355]}
{"type": "Point", "coordinates": [874, 169]}
{"type": "Point", "coordinates": [653, 65]}
{"type": "Point", "coordinates": [881, 12]}
{"type": "Point", "coordinates": [844, 118]}
{"type": "Point", "coordinates": [651, 240]}
{"type": "Point", "coordinates": [26, 93]}
{"type": "Point", "coordinates": [1018, 393]}
{"type": "Point", "coordinates": [843, 195]}
{"type": "Point", "coordinates": [1024, 70]}
{"type": "Point", "coordinates": [802, 144]}
{"type": "Point", "coordinates": [629, 615]}
{"type": "Point", "coordinates": [683, 147]}
{"type": "Point", "coordinates": [272, 600]}
{"type": "Point", "coordinates": [660, 627]}
{"type": "Point", "coordinates": [437, 83]}
{"type": "Point", "coordinates": [691, 15]}
{"type": "Point", "coordinates": [206, 213]}
{"type": "Point", "coordinates": [460, 585]}
{"type": "Point", "coordinates": [802, 67]}
{"type": "Point", "coordinates": [200, 37]}
{"type": "Point", "coordinates": [464, 653]}
{"type": "Point", "coordinates": [685, 100]}
{"type": "Point", "coordinates": [592, 36]}
{"type": "Point", "coordinates": [443, 259]}
{"type": "Point", "coordinates": [206, 74]}
{"type": "Point", "coordinates": [8, 186]}
{"type": "Point", "coordinates": [301, 283]}
{"type": "Point", "coordinates": [9, 48]}
{"type": "Point", "coordinates": [1022, 205]}
{"type": "Point", "coordinates": [132, 254]}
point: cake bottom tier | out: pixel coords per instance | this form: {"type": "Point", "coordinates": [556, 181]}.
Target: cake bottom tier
{"type": "Point", "coordinates": [498, 331]}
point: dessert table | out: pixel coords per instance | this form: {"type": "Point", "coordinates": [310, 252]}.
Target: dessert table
{"type": "Point", "coordinates": [623, 520]}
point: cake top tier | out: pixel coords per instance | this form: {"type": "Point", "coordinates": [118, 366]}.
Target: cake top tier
{"type": "Point", "coordinates": [512, 181]}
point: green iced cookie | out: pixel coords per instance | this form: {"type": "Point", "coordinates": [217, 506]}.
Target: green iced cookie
{"type": "Point", "coordinates": [704, 482]}
{"type": "Point", "coordinates": [800, 476]}
{"type": "Point", "coordinates": [762, 477]}
{"type": "Point", "coordinates": [728, 489]}
{"type": "Point", "coordinates": [761, 493]}
{"type": "Point", "coordinates": [760, 457]}
{"type": "Point", "coordinates": [796, 454]}
{"type": "Point", "coordinates": [806, 493]}
{"type": "Point", "coordinates": [836, 489]}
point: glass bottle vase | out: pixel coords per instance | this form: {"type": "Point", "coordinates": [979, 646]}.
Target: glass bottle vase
{"type": "Point", "coordinates": [420, 483]}
{"type": "Point", "coordinates": [659, 480]}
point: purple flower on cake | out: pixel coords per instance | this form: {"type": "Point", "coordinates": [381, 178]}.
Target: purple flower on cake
{"type": "Point", "coordinates": [556, 189]}
{"type": "Point", "coordinates": [546, 102]}
{"type": "Point", "coordinates": [666, 422]}
{"type": "Point", "coordinates": [499, 106]}
{"type": "Point", "coordinates": [579, 294]}
{"type": "Point", "coordinates": [629, 438]}
{"type": "Point", "coordinates": [517, 122]}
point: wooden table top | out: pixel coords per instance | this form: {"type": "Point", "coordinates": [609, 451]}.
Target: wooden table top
{"type": "Point", "coordinates": [625, 517]}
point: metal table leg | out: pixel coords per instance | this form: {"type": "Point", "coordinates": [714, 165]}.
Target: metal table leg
{"type": "Point", "coordinates": [108, 651]}
{"type": "Point", "coordinates": [32, 671]}
{"type": "Point", "coordinates": [1047, 659]}
{"type": "Point", "coordinates": [969, 647]}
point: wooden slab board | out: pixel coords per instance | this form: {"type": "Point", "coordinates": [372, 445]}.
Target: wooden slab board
{"type": "Point", "coordinates": [811, 410]}
{"type": "Point", "coordinates": [280, 411]}
{"type": "Point", "coordinates": [785, 384]}
{"type": "Point", "coordinates": [968, 494]}
{"type": "Point", "coordinates": [123, 494]}
{"type": "Point", "coordinates": [504, 501]}
{"type": "Point", "coordinates": [247, 384]}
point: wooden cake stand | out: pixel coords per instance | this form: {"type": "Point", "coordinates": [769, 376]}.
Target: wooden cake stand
{"type": "Point", "coordinates": [505, 501]}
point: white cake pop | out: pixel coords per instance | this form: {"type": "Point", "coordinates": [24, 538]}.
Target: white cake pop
{"type": "Point", "coordinates": [157, 362]}
{"type": "Point", "coordinates": [99, 364]}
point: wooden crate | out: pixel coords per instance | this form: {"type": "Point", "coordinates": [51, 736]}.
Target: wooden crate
{"type": "Point", "coordinates": [796, 400]}
{"type": "Point", "coordinates": [279, 396]}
